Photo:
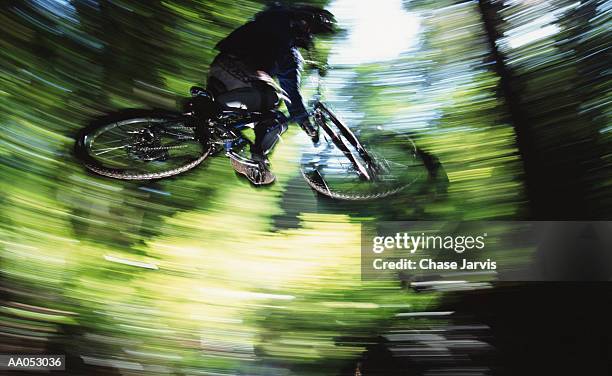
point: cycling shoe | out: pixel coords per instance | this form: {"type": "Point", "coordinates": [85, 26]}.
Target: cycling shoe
{"type": "Point", "coordinates": [257, 173]}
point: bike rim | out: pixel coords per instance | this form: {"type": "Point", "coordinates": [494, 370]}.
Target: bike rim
{"type": "Point", "coordinates": [390, 166]}
{"type": "Point", "coordinates": [145, 146]}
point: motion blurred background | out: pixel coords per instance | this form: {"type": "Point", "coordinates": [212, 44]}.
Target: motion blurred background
{"type": "Point", "coordinates": [203, 274]}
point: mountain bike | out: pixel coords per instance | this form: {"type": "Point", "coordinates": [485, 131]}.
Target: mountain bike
{"type": "Point", "coordinates": [146, 145]}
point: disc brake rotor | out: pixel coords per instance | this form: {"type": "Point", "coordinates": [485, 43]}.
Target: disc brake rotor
{"type": "Point", "coordinates": [145, 145]}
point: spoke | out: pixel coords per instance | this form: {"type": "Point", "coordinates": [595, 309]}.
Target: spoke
{"type": "Point", "coordinates": [114, 157]}
{"type": "Point", "coordinates": [109, 142]}
{"type": "Point", "coordinates": [396, 164]}
{"type": "Point", "coordinates": [120, 126]}
{"type": "Point", "coordinates": [106, 150]}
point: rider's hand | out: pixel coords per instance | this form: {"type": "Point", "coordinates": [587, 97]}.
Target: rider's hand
{"type": "Point", "coordinates": [311, 130]}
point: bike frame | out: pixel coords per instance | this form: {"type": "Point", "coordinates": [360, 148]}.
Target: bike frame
{"type": "Point", "coordinates": [235, 120]}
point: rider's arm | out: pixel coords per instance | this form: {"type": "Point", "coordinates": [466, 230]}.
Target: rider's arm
{"type": "Point", "coordinates": [288, 74]}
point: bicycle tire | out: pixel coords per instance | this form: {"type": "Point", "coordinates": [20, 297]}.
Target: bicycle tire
{"type": "Point", "coordinates": [323, 189]}
{"type": "Point", "coordinates": [82, 146]}
{"type": "Point", "coordinates": [317, 182]}
{"type": "Point", "coordinates": [361, 159]}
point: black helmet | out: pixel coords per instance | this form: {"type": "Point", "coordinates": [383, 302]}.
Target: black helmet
{"type": "Point", "coordinates": [308, 21]}
{"type": "Point", "coordinates": [320, 21]}
{"type": "Point", "coordinates": [305, 21]}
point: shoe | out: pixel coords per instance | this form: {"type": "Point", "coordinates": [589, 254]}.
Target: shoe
{"type": "Point", "coordinates": [258, 173]}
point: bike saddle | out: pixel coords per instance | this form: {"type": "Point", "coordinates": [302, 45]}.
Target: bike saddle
{"type": "Point", "coordinates": [202, 103]}
{"type": "Point", "coordinates": [197, 91]}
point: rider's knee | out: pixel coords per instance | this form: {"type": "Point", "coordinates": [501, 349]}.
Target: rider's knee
{"type": "Point", "coordinates": [269, 96]}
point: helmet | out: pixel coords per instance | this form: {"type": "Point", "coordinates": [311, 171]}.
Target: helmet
{"type": "Point", "coordinates": [308, 21]}
{"type": "Point", "coordinates": [319, 21]}
{"type": "Point", "coordinates": [305, 21]}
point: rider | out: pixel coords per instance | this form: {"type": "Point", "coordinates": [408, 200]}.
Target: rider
{"type": "Point", "coordinates": [242, 74]}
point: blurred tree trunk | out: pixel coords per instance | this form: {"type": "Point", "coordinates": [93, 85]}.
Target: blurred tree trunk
{"type": "Point", "coordinates": [584, 39]}
{"type": "Point", "coordinates": [553, 141]}
{"type": "Point", "coordinates": [508, 92]}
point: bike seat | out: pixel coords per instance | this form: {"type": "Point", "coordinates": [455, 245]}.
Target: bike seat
{"type": "Point", "coordinates": [202, 103]}
{"type": "Point", "coordinates": [197, 91]}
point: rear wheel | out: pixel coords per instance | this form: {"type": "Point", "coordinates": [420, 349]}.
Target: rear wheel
{"type": "Point", "coordinates": [145, 147]}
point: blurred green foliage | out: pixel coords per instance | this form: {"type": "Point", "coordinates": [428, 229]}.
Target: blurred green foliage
{"type": "Point", "coordinates": [203, 273]}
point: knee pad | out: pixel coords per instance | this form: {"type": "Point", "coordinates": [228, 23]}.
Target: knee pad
{"type": "Point", "coordinates": [269, 96]}
{"type": "Point", "coordinates": [271, 136]}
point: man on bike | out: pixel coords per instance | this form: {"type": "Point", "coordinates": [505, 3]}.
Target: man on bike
{"type": "Point", "coordinates": [250, 57]}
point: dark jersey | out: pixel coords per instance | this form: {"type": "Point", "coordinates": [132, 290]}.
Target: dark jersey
{"type": "Point", "coordinates": [260, 43]}
{"type": "Point", "coordinates": [266, 44]}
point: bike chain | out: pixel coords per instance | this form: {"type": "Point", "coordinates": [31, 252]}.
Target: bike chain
{"type": "Point", "coordinates": [162, 148]}
{"type": "Point", "coordinates": [183, 128]}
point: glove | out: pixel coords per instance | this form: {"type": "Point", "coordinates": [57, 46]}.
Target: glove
{"type": "Point", "coordinates": [311, 130]}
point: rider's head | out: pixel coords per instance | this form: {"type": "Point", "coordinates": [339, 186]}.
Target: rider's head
{"type": "Point", "coordinates": [309, 21]}
{"type": "Point", "coordinates": [305, 22]}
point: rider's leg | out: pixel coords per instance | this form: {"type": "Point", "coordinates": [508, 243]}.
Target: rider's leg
{"type": "Point", "coordinates": [247, 98]}
{"type": "Point", "coordinates": [267, 134]}
{"type": "Point", "coordinates": [231, 91]}
{"type": "Point", "coordinates": [258, 98]}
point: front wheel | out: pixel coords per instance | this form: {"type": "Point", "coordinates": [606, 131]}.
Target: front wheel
{"type": "Point", "coordinates": [342, 168]}
{"type": "Point", "coordinates": [142, 146]}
